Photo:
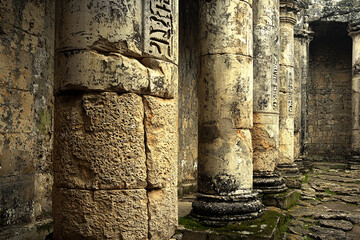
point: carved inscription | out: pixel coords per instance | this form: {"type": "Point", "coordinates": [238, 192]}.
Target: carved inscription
{"type": "Point", "coordinates": [290, 86]}
{"type": "Point", "coordinates": [159, 28]}
{"type": "Point", "coordinates": [275, 84]}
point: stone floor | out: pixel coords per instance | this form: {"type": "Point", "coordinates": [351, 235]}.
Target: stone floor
{"type": "Point", "coordinates": [329, 206]}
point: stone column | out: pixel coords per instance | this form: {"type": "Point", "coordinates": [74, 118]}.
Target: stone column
{"type": "Point", "coordinates": [354, 162]}
{"type": "Point", "coordinates": [225, 114]}
{"type": "Point", "coordinates": [265, 133]}
{"type": "Point", "coordinates": [303, 38]}
{"type": "Point", "coordinates": [115, 150]}
{"type": "Point", "coordinates": [286, 134]}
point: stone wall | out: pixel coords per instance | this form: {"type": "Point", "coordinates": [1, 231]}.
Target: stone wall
{"type": "Point", "coordinates": [188, 95]}
{"type": "Point", "coordinates": [26, 110]}
{"type": "Point", "coordinates": [329, 92]}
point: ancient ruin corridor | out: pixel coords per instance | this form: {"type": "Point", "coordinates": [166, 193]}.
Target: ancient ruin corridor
{"type": "Point", "coordinates": [179, 119]}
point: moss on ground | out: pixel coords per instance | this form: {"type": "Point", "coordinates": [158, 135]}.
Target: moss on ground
{"type": "Point", "coordinates": [262, 226]}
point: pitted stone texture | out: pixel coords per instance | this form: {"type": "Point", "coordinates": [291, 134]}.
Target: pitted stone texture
{"type": "Point", "coordinates": [287, 44]}
{"type": "Point", "coordinates": [107, 26]}
{"type": "Point", "coordinates": [265, 139]}
{"type": "Point", "coordinates": [161, 141]}
{"type": "Point", "coordinates": [355, 97]}
{"type": "Point", "coordinates": [163, 213]}
{"type": "Point", "coordinates": [286, 132]}
{"type": "Point", "coordinates": [226, 90]}
{"type": "Point", "coordinates": [91, 70]}
{"type": "Point", "coordinates": [99, 142]}
{"type": "Point", "coordinates": [226, 27]}
{"type": "Point", "coordinates": [225, 160]}
{"type": "Point", "coordinates": [115, 214]}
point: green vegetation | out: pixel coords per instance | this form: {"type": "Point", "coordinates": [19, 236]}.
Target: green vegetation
{"type": "Point", "coordinates": [262, 226]}
{"type": "Point", "coordinates": [305, 179]}
{"type": "Point", "coordinates": [327, 190]}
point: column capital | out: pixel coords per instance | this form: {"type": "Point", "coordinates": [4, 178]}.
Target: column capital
{"type": "Point", "coordinates": [354, 27]}
{"type": "Point", "coordinates": [288, 10]}
{"type": "Point", "coordinates": [307, 34]}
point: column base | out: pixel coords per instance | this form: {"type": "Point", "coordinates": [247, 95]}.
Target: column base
{"type": "Point", "coordinates": [291, 175]}
{"type": "Point", "coordinates": [354, 162]}
{"type": "Point", "coordinates": [269, 183]}
{"type": "Point", "coordinates": [217, 211]}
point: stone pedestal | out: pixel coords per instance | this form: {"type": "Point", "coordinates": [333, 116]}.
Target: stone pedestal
{"type": "Point", "coordinates": [286, 134]}
{"type": "Point", "coordinates": [225, 114]}
{"type": "Point", "coordinates": [265, 133]}
{"type": "Point", "coordinates": [115, 140]}
{"type": "Point", "coordinates": [354, 161]}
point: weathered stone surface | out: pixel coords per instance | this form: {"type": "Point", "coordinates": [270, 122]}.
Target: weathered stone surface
{"type": "Point", "coordinates": [92, 70]}
{"type": "Point", "coordinates": [338, 224]}
{"type": "Point", "coordinates": [161, 141]}
{"type": "Point", "coordinates": [100, 214]}
{"type": "Point", "coordinates": [286, 43]}
{"type": "Point", "coordinates": [286, 133]}
{"type": "Point", "coordinates": [163, 213]}
{"type": "Point", "coordinates": [163, 78]}
{"type": "Point", "coordinates": [329, 96]}
{"type": "Point", "coordinates": [226, 90]}
{"type": "Point", "coordinates": [227, 27]}
{"type": "Point", "coordinates": [265, 138]}
{"type": "Point", "coordinates": [107, 26]}
{"type": "Point", "coordinates": [286, 78]}
{"type": "Point", "coordinates": [99, 142]}
{"type": "Point", "coordinates": [226, 165]}
{"type": "Point", "coordinates": [119, 27]}
{"type": "Point", "coordinates": [17, 113]}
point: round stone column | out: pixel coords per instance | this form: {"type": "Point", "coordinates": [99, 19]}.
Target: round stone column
{"type": "Point", "coordinates": [354, 162]}
{"type": "Point", "coordinates": [225, 114]}
{"type": "Point", "coordinates": [303, 38]}
{"type": "Point", "coordinates": [115, 135]}
{"type": "Point", "coordinates": [286, 164]}
{"type": "Point", "coordinates": [265, 133]}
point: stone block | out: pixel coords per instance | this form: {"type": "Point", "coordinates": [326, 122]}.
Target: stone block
{"type": "Point", "coordinates": [161, 29]}
{"type": "Point", "coordinates": [226, 27]}
{"type": "Point", "coordinates": [16, 108]}
{"type": "Point", "coordinates": [163, 78]}
{"type": "Point", "coordinates": [163, 213]}
{"type": "Point", "coordinates": [91, 70]}
{"type": "Point", "coordinates": [100, 214]}
{"type": "Point", "coordinates": [284, 200]}
{"type": "Point", "coordinates": [102, 25]}
{"type": "Point", "coordinates": [119, 27]}
{"type": "Point", "coordinates": [226, 90]}
{"type": "Point", "coordinates": [161, 129]}
{"type": "Point", "coordinates": [99, 142]}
